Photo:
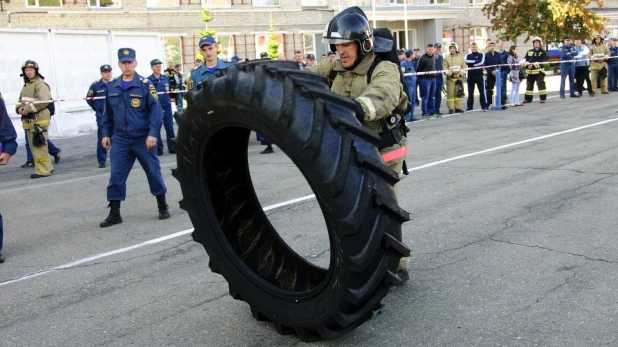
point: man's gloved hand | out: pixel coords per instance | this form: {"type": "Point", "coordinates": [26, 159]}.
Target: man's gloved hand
{"type": "Point", "coordinates": [360, 113]}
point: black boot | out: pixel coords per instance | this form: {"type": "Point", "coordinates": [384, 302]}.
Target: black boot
{"type": "Point", "coordinates": [114, 214]}
{"type": "Point", "coordinates": [163, 208]}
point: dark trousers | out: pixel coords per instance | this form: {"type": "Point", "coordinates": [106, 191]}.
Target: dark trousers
{"type": "Point", "coordinates": [504, 73]}
{"type": "Point", "coordinates": [51, 149]}
{"type": "Point", "coordinates": [479, 82]}
{"type": "Point", "coordinates": [489, 86]}
{"type": "Point", "coordinates": [438, 97]}
{"type": "Point", "coordinates": [540, 84]}
{"type": "Point", "coordinates": [1, 232]}
{"type": "Point", "coordinates": [168, 124]}
{"type": "Point", "coordinates": [428, 93]}
{"type": "Point", "coordinates": [123, 153]}
{"type": "Point", "coordinates": [582, 73]}
{"type": "Point", "coordinates": [612, 72]}
{"type": "Point", "coordinates": [101, 151]}
{"type": "Point", "coordinates": [567, 70]}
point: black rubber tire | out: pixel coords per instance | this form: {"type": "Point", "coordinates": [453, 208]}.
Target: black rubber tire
{"type": "Point", "coordinates": [338, 157]}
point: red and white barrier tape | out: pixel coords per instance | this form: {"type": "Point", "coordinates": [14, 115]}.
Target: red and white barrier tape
{"type": "Point", "coordinates": [79, 99]}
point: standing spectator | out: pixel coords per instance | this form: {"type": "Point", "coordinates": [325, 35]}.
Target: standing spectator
{"type": "Point", "coordinates": [476, 60]}
{"type": "Point", "coordinates": [427, 82]}
{"type": "Point", "coordinates": [332, 55]}
{"type": "Point", "coordinates": [504, 70]}
{"type": "Point", "coordinates": [515, 66]}
{"type": "Point", "coordinates": [36, 117]}
{"type": "Point", "coordinates": [613, 66]}
{"type": "Point", "coordinates": [323, 56]}
{"type": "Point", "coordinates": [8, 147]}
{"type": "Point", "coordinates": [263, 141]}
{"type": "Point", "coordinates": [492, 58]}
{"type": "Point", "coordinates": [400, 55]}
{"type": "Point", "coordinates": [582, 68]}
{"type": "Point", "coordinates": [407, 66]}
{"type": "Point", "coordinates": [212, 67]}
{"type": "Point", "coordinates": [415, 58]}
{"type": "Point", "coordinates": [197, 65]}
{"type": "Point", "coordinates": [162, 86]}
{"type": "Point", "coordinates": [98, 89]}
{"type": "Point", "coordinates": [170, 73]}
{"type": "Point", "coordinates": [439, 77]}
{"type": "Point", "coordinates": [180, 85]}
{"type": "Point", "coordinates": [263, 55]}
{"type": "Point", "coordinates": [311, 60]}
{"type": "Point", "coordinates": [535, 59]}
{"type": "Point", "coordinates": [567, 69]}
{"type": "Point", "coordinates": [454, 79]}
{"type": "Point", "coordinates": [298, 56]}
{"type": "Point", "coordinates": [486, 49]}
{"type": "Point", "coordinates": [599, 53]}
{"type": "Point", "coordinates": [134, 116]}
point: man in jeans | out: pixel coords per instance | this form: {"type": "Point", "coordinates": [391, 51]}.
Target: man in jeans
{"type": "Point", "coordinates": [427, 82]}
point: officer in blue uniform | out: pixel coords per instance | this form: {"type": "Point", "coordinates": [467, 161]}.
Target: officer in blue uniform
{"type": "Point", "coordinates": [8, 147]}
{"type": "Point", "coordinates": [439, 77]}
{"type": "Point", "coordinates": [97, 89]}
{"type": "Point", "coordinates": [567, 52]}
{"type": "Point", "coordinates": [407, 66]}
{"type": "Point", "coordinates": [162, 84]}
{"type": "Point", "coordinates": [133, 114]}
{"type": "Point", "coordinates": [612, 65]}
{"type": "Point", "coordinates": [212, 64]}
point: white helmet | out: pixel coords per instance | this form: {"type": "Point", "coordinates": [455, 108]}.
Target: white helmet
{"type": "Point", "coordinates": [536, 38]}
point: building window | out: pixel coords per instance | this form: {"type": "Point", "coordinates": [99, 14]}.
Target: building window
{"type": "Point", "coordinates": [261, 44]}
{"type": "Point", "coordinates": [226, 46]}
{"type": "Point", "coordinates": [163, 3]}
{"type": "Point", "coordinates": [313, 3]}
{"type": "Point", "coordinates": [396, 2]}
{"type": "Point", "coordinates": [44, 3]}
{"type": "Point", "coordinates": [265, 2]}
{"type": "Point", "coordinates": [400, 39]}
{"type": "Point", "coordinates": [478, 2]}
{"type": "Point", "coordinates": [309, 44]}
{"type": "Point", "coordinates": [478, 35]}
{"type": "Point", "coordinates": [440, 2]}
{"type": "Point", "coordinates": [216, 3]}
{"type": "Point", "coordinates": [104, 3]}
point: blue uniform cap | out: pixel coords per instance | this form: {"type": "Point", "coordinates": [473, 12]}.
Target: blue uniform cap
{"type": "Point", "coordinates": [154, 62]}
{"type": "Point", "coordinates": [177, 65]}
{"type": "Point", "coordinates": [126, 54]}
{"type": "Point", "coordinates": [310, 57]}
{"type": "Point", "coordinates": [417, 49]}
{"type": "Point", "coordinates": [106, 68]}
{"type": "Point", "coordinates": [408, 52]}
{"type": "Point", "coordinates": [207, 40]}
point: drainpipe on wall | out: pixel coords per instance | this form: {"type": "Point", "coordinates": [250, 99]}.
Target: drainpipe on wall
{"type": "Point", "coordinates": [9, 13]}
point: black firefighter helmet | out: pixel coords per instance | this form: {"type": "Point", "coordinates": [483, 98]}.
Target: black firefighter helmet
{"type": "Point", "coordinates": [30, 63]}
{"type": "Point", "coordinates": [349, 25]}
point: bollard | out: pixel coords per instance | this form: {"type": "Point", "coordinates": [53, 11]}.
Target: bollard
{"type": "Point", "coordinates": [498, 101]}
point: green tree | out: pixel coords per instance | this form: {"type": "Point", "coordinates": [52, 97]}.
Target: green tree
{"type": "Point", "coordinates": [273, 44]}
{"type": "Point", "coordinates": [549, 19]}
{"type": "Point", "coordinates": [206, 18]}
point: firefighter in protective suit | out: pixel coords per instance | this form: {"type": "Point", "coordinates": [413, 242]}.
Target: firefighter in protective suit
{"type": "Point", "coordinates": [534, 68]}
{"type": "Point", "coordinates": [455, 75]}
{"type": "Point", "coordinates": [35, 117]}
{"type": "Point", "coordinates": [382, 100]}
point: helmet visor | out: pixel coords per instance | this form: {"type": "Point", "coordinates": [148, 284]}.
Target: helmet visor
{"type": "Point", "coordinates": [336, 40]}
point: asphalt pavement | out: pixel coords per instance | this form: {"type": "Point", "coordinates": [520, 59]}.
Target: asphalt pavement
{"type": "Point", "coordinates": [513, 235]}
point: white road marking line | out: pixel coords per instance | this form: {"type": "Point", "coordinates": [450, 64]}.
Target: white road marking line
{"type": "Point", "coordinates": [285, 203]}
{"type": "Point", "coordinates": [130, 248]}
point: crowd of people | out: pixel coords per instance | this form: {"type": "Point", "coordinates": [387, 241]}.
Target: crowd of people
{"type": "Point", "coordinates": [425, 74]}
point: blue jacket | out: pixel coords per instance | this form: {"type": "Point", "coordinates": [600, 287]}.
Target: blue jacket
{"type": "Point", "coordinates": [504, 55]}
{"type": "Point", "coordinates": [203, 73]}
{"type": "Point", "coordinates": [492, 59]}
{"type": "Point", "coordinates": [439, 60]}
{"type": "Point", "coordinates": [568, 53]}
{"type": "Point", "coordinates": [613, 52]}
{"type": "Point", "coordinates": [134, 112]}
{"type": "Point", "coordinates": [97, 88]}
{"type": "Point", "coordinates": [8, 136]}
{"type": "Point", "coordinates": [162, 84]}
{"type": "Point", "coordinates": [475, 60]}
{"type": "Point", "coordinates": [408, 67]}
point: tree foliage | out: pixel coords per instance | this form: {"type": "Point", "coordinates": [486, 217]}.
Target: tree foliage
{"type": "Point", "coordinates": [273, 44]}
{"type": "Point", "coordinates": [549, 19]}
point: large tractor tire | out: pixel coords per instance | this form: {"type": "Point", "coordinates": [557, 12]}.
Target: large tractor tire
{"type": "Point", "coordinates": [338, 157]}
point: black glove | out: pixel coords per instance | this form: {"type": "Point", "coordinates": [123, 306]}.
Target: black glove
{"type": "Point", "coordinates": [38, 139]}
{"type": "Point", "coordinates": [360, 114]}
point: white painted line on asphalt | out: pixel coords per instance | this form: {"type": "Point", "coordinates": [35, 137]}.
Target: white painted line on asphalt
{"type": "Point", "coordinates": [131, 248]}
{"type": "Point", "coordinates": [289, 202]}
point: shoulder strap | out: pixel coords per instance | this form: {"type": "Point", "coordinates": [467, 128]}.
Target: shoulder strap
{"type": "Point", "coordinates": [375, 63]}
